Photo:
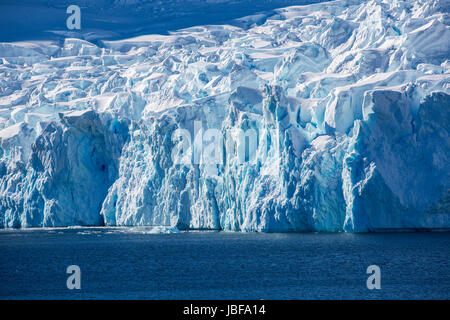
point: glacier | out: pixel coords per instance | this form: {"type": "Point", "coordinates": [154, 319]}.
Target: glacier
{"type": "Point", "coordinates": [332, 117]}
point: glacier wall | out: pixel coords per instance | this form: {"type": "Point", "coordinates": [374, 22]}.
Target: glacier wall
{"type": "Point", "coordinates": [327, 117]}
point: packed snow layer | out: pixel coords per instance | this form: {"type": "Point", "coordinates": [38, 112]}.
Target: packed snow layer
{"type": "Point", "coordinates": [331, 117]}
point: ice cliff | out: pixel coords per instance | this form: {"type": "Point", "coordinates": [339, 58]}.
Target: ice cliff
{"type": "Point", "coordinates": [332, 117]}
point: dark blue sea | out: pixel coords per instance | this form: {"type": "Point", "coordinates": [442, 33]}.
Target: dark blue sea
{"type": "Point", "coordinates": [120, 263]}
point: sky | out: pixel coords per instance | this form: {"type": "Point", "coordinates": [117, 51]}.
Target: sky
{"type": "Point", "coordinates": [27, 20]}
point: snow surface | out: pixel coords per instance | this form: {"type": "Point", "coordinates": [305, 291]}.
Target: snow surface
{"type": "Point", "coordinates": [349, 102]}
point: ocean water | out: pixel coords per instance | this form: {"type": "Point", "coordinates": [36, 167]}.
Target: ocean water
{"type": "Point", "coordinates": [121, 263]}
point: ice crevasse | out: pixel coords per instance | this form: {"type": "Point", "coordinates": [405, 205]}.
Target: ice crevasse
{"type": "Point", "coordinates": [347, 104]}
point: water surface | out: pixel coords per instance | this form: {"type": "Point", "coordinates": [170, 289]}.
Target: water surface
{"type": "Point", "coordinates": [120, 263]}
